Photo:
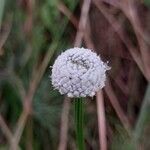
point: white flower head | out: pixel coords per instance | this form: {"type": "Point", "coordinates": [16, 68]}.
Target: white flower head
{"type": "Point", "coordinates": [79, 72]}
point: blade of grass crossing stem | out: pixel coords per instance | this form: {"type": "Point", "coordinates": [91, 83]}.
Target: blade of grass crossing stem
{"type": "Point", "coordinates": [2, 4]}
{"type": "Point", "coordinates": [79, 123]}
{"type": "Point", "coordinates": [144, 117]}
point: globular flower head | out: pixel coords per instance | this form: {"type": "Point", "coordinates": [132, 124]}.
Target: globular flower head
{"type": "Point", "coordinates": [78, 72]}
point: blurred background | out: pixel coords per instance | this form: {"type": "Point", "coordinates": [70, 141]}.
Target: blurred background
{"type": "Point", "coordinates": [34, 116]}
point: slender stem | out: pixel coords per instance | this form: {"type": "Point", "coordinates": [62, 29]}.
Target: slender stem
{"type": "Point", "coordinates": [64, 125]}
{"type": "Point", "coordinates": [79, 123]}
{"type": "Point", "coordinates": [101, 120]}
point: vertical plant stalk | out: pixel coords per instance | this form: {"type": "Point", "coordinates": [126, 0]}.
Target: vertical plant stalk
{"type": "Point", "coordinates": [29, 133]}
{"type": "Point", "coordinates": [64, 124]}
{"type": "Point", "coordinates": [82, 22]}
{"type": "Point", "coordinates": [79, 123]}
{"type": "Point", "coordinates": [101, 120]}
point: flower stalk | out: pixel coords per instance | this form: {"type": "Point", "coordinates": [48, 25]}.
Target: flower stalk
{"type": "Point", "coordinates": [79, 120]}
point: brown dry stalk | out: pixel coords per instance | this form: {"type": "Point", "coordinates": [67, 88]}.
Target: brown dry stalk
{"type": "Point", "coordinates": [5, 129]}
{"type": "Point", "coordinates": [29, 134]}
{"type": "Point", "coordinates": [121, 85]}
{"type": "Point", "coordinates": [28, 24]}
{"type": "Point", "coordinates": [114, 3]}
{"type": "Point", "coordinates": [64, 124]}
{"type": "Point", "coordinates": [63, 9]}
{"type": "Point", "coordinates": [82, 22]}
{"type": "Point", "coordinates": [87, 36]}
{"type": "Point", "coordinates": [5, 34]}
{"type": "Point", "coordinates": [101, 120]}
{"type": "Point", "coordinates": [20, 126]}
{"type": "Point", "coordinates": [114, 101]}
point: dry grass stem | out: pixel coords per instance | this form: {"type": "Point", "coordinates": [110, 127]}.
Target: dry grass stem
{"type": "Point", "coordinates": [114, 101]}
{"type": "Point", "coordinates": [101, 120]}
{"type": "Point", "coordinates": [64, 124]}
{"type": "Point", "coordinates": [4, 35]}
{"type": "Point", "coordinates": [82, 22]}
{"type": "Point", "coordinates": [63, 9]}
{"type": "Point", "coordinates": [6, 131]}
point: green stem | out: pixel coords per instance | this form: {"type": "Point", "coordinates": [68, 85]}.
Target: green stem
{"type": "Point", "coordinates": [79, 123]}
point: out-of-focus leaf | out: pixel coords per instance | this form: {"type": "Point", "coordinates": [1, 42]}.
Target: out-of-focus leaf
{"type": "Point", "coordinates": [147, 2]}
{"type": "Point", "coordinates": [12, 101]}
{"type": "Point", "coordinates": [143, 122]}
{"type": "Point", "coordinates": [3, 147]}
{"type": "Point", "coordinates": [121, 141]}
{"type": "Point", "coordinates": [2, 4]}
{"type": "Point", "coordinates": [71, 4]}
